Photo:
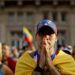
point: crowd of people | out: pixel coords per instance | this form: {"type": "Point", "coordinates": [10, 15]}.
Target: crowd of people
{"type": "Point", "coordinates": [44, 60]}
{"type": "Point", "coordinates": [9, 56]}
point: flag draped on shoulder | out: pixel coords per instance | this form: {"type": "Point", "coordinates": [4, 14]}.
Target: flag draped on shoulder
{"type": "Point", "coordinates": [25, 65]}
{"type": "Point", "coordinates": [27, 36]}
{"type": "Point", "coordinates": [65, 63]}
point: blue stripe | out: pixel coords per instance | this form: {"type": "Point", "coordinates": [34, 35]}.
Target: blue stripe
{"type": "Point", "coordinates": [38, 55]}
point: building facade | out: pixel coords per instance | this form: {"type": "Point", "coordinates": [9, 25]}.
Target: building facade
{"type": "Point", "coordinates": [16, 14]}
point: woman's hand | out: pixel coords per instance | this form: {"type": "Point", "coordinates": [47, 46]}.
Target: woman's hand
{"type": "Point", "coordinates": [42, 59]}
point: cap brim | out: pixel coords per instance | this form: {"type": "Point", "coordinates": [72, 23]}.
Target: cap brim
{"type": "Point", "coordinates": [45, 29]}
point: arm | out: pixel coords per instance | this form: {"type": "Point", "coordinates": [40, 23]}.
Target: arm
{"type": "Point", "coordinates": [52, 69]}
{"type": "Point", "coordinates": [40, 64]}
{"type": "Point", "coordinates": [50, 66]}
{"type": "Point", "coordinates": [7, 70]}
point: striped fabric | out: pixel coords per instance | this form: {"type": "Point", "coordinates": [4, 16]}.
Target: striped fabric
{"type": "Point", "coordinates": [27, 36]}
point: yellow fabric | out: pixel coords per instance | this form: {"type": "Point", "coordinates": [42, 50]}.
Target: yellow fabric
{"type": "Point", "coordinates": [25, 65]}
{"type": "Point", "coordinates": [26, 31]}
{"type": "Point", "coordinates": [65, 62]}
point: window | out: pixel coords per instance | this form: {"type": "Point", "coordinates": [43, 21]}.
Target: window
{"type": "Point", "coordinates": [20, 16]}
{"type": "Point", "coordinates": [61, 37]}
{"type": "Point", "coordinates": [29, 18]}
{"type": "Point", "coordinates": [63, 16]}
{"type": "Point", "coordinates": [11, 17]}
{"type": "Point", "coordinates": [54, 16]}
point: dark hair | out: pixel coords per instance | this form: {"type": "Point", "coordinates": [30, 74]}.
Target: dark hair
{"type": "Point", "coordinates": [67, 52]}
{"type": "Point", "coordinates": [26, 46]}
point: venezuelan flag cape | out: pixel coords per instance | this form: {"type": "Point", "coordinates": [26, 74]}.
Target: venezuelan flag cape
{"type": "Point", "coordinates": [65, 62]}
{"type": "Point", "coordinates": [27, 35]}
{"type": "Point", "coordinates": [25, 65]}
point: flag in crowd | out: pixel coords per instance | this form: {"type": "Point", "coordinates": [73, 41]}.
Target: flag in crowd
{"type": "Point", "coordinates": [27, 36]}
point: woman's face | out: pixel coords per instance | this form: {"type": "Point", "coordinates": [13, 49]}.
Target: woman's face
{"type": "Point", "coordinates": [46, 40]}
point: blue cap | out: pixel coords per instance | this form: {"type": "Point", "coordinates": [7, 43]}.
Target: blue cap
{"type": "Point", "coordinates": [47, 23]}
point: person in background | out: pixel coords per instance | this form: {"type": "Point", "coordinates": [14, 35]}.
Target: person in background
{"type": "Point", "coordinates": [4, 69]}
{"type": "Point", "coordinates": [15, 53]}
{"type": "Point", "coordinates": [70, 48]}
{"type": "Point", "coordinates": [7, 58]}
{"type": "Point", "coordinates": [59, 47]}
{"type": "Point", "coordinates": [73, 52]}
{"type": "Point", "coordinates": [67, 49]}
{"type": "Point", "coordinates": [5, 53]}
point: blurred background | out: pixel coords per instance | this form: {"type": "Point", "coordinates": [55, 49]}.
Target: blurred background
{"type": "Point", "coordinates": [16, 14]}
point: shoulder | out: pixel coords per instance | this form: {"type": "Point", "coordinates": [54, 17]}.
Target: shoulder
{"type": "Point", "coordinates": [25, 63]}
{"type": "Point", "coordinates": [27, 54]}
{"type": "Point", "coordinates": [26, 57]}
{"type": "Point", "coordinates": [61, 57]}
{"type": "Point", "coordinates": [6, 70]}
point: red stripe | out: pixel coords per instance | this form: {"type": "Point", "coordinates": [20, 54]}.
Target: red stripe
{"type": "Point", "coordinates": [28, 40]}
